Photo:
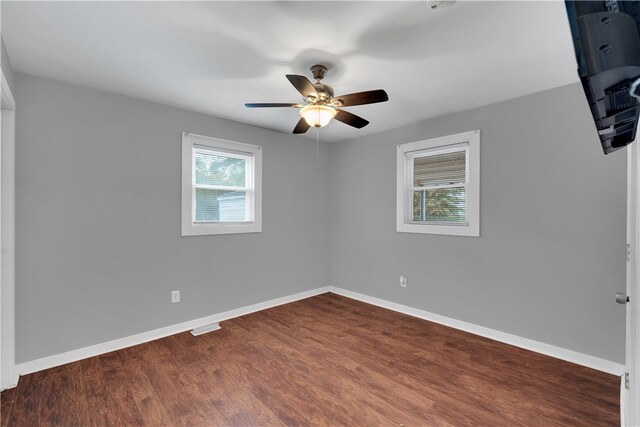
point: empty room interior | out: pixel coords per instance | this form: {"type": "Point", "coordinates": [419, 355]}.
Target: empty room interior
{"type": "Point", "coordinates": [402, 213]}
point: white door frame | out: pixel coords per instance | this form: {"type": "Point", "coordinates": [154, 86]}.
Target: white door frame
{"type": "Point", "coordinates": [8, 377]}
{"type": "Point", "coordinates": [630, 398]}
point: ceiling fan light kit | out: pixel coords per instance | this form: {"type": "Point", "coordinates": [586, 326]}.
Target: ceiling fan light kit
{"type": "Point", "coordinates": [317, 115]}
{"type": "Point", "coordinates": [321, 106]}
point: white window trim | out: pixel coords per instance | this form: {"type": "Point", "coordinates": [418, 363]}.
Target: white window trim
{"type": "Point", "coordinates": [190, 143]}
{"type": "Point", "coordinates": [405, 183]}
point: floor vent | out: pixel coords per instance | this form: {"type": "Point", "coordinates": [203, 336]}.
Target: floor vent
{"type": "Point", "coordinates": [205, 328]}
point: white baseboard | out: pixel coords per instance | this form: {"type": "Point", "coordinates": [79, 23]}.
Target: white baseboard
{"type": "Point", "coordinates": [120, 343]}
{"type": "Point", "coordinates": [536, 346]}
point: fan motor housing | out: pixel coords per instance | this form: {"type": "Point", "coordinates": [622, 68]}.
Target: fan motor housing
{"type": "Point", "coordinates": [325, 92]}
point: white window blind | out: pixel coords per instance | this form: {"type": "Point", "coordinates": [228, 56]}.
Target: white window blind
{"type": "Point", "coordinates": [220, 183]}
{"type": "Point", "coordinates": [439, 180]}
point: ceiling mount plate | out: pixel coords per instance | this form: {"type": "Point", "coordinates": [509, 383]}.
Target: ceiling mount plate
{"type": "Point", "coordinates": [318, 71]}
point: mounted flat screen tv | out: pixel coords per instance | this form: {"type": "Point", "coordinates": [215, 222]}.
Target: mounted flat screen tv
{"type": "Point", "coordinates": [607, 46]}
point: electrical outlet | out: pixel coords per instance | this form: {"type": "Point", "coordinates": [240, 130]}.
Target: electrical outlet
{"type": "Point", "coordinates": [403, 282]}
{"type": "Point", "coordinates": [175, 296]}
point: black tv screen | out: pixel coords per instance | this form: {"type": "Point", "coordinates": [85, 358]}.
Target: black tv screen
{"type": "Point", "coordinates": [607, 46]}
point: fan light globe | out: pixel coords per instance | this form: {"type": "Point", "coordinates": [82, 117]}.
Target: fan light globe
{"type": "Point", "coordinates": [317, 115]}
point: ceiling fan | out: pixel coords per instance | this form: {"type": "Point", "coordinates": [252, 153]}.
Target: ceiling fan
{"type": "Point", "coordinates": [320, 104]}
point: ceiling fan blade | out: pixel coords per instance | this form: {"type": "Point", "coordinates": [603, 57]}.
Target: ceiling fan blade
{"type": "Point", "coordinates": [361, 98]}
{"type": "Point", "coordinates": [267, 105]}
{"type": "Point", "coordinates": [303, 85]}
{"type": "Point", "coordinates": [351, 119]}
{"type": "Point", "coordinates": [301, 127]}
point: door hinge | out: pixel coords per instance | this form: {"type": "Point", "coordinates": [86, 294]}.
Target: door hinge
{"type": "Point", "coordinates": [626, 380]}
{"type": "Point", "coordinates": [628, 252]}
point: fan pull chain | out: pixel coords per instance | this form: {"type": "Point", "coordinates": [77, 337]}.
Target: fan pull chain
{"type": "Point", "coordinates": [317, 151]}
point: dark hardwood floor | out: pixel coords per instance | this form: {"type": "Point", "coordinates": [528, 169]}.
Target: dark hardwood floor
{"type": "Point", "coordinates": [326, 360]}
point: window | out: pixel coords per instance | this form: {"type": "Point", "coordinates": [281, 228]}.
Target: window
{"type": "Point", "coordinates": [221, 186]}
{"type": "Point", "coordinates": [438, 185]}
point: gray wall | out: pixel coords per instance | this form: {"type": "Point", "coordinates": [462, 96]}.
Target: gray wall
{"type": "Point", "coordinates": [5, 64]}
{"type": "Point", "coordinates": [98, 223]}
{"type": "Point", "coordinates": [98, 220]}
{"type": "Point", "coordinates": [552, 249]}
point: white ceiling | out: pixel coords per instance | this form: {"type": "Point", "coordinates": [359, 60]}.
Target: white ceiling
{"type": "Point", "coordinates": [212, 57]}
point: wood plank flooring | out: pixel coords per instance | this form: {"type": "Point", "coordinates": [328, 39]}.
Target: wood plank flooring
{"type": "Point", "coordinates": [326, 360]}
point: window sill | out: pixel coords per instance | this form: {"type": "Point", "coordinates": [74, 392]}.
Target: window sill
{"type": "Point", "coordinates": [471, 230]}
{"type": "Point", "coordinates": [196, 229]}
